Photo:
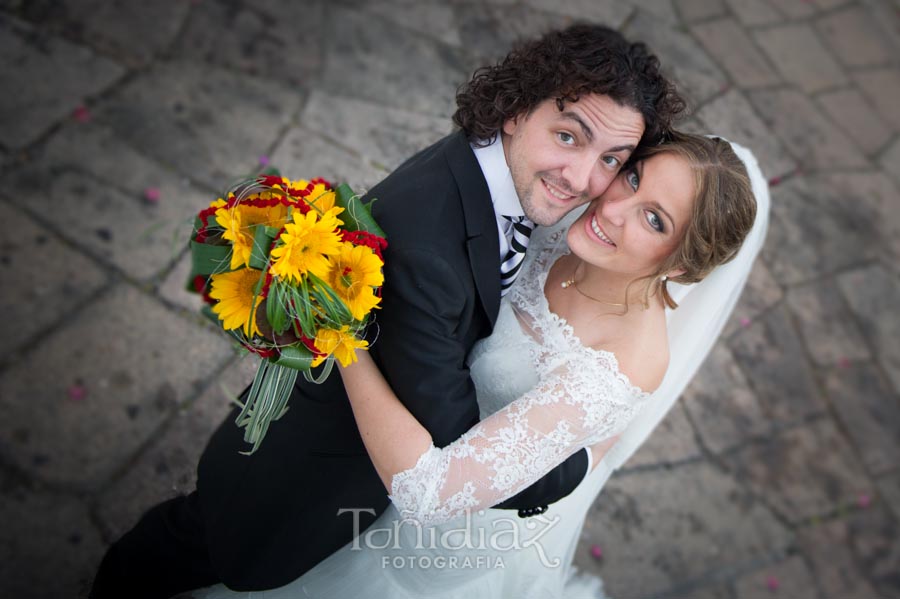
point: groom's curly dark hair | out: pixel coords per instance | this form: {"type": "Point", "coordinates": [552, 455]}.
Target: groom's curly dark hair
{"type": "Point", "coordinates": [563, 65]}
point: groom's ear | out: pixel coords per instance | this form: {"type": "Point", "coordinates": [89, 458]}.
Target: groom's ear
{"type": "Point", "coordinates": [509, 125]}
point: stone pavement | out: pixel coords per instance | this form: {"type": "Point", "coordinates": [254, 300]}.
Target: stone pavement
{"type": "Point", "coordinates": [775, 476]}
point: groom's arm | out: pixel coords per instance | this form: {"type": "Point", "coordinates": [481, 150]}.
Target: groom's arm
{"type": "Point", "coordinates": [429, 310]}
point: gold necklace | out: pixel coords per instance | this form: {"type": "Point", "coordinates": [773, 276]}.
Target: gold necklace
{"type": "Point", "coordinates": [572, 283]}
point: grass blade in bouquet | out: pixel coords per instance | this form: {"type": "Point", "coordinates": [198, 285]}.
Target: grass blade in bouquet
{"type": "Point", "coordinates": [292, 270]}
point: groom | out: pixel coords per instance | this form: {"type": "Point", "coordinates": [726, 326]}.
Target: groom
{"type": "Point", "coordinates": [541, 133]}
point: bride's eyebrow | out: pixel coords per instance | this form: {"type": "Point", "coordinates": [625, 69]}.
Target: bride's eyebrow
{"type": "Point", "coordinates": [659, 207]}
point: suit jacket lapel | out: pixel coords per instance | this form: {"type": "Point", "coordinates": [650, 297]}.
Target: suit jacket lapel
{"type": "Point", "coordinates": [481, 223]}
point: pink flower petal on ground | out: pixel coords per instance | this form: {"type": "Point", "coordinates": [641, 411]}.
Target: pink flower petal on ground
{"type": "Point", "coordinates": [745, 322]}
{"type": "Point", "coordinates": [596, 552]}
{"type": "Point", "coordinates": [774, 181]}
{"type": "Point", "coordinates": [77, 392]}
{"type": "Point", "coordinates": [772, 583]}
{"type": "Point", "coordinates": [843, 362]}
{"type": "Point", "coordinates": [864, 501]}
{"type": "Point", "coordinates": [152, 194]}
{"type": "Point", "coordinates": [263, 160]}
{"type": "Point", "coordinates": [81, 114]}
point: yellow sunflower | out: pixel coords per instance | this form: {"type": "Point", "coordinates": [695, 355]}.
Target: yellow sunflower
{"type": "Point", "coordinates": [305, 245]}
{"type": "Point", "coordinates": [238, 222]}
{"type": "Point", "coordinates": [354, 274]}
{"type": "Point", "coordinates": [342, 344]}
{"type": "Point", "coordinates": [321, 198]}
{"type": "Point", "coordinates": [236, 306]}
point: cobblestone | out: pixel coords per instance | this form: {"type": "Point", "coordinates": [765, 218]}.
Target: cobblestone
{"type": "Point", "coordinates": [882, 87]}
{"type": "Point", "coordinates": [873, 295]}
{"type": "Point", "coordinates": [802, 59]}
{"type": "Point", "coordinates": [802, 473]}
{"type": "Point", "coordinates": [42, 279]}
{"type": "Point", "coordinates": [787, 579]}
{"type": "Point", "coordinates": [850, 111]}
{"type": "Point", "coordinates": [51, 76]}
{"type": "Point", "coordinates": [77, 427]}
{"type": "Point", "coordinates": [855, 38]}
{"type": "Point", "coordinates": [735, 51]}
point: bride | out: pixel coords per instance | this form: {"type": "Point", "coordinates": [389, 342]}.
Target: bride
{"type": "Point", "coordinates": [588, 351]}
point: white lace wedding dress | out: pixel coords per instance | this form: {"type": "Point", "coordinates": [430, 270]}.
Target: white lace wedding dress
{"type": "Point", "coordinates": [542, 396]}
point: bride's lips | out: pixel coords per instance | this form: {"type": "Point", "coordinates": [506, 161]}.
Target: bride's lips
{"type": "Point", "coordinates": [596, 232]}
{"type": "Point", "coordinates": [557, 194]}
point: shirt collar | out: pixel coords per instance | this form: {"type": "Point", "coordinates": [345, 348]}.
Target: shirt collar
{"type": "Point", "coordinates": [499, 180]}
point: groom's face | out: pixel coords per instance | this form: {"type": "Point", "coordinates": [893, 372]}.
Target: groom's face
{"type": "Point", "coordinates": [561, 159]}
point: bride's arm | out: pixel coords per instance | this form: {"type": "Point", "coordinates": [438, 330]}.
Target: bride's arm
{"type": "Point", "coordinates": [578, 405]}
{"type": "Point", "coordinates": [392, 435]}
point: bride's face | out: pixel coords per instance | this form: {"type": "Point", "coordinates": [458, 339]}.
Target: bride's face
{"type": "Point", "coordinates": [640, 219]}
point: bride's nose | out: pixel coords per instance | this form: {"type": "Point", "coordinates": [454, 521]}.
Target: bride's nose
{"type": "Point", "coordinates": [613, 210]}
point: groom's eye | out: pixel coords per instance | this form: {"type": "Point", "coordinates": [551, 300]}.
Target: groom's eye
{"type": "Point", "coordinates": [566, 138]}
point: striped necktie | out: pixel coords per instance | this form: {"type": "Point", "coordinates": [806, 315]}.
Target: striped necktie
{"type": "Point", "coordinates": [518, 242]}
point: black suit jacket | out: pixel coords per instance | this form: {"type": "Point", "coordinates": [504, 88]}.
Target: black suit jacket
{"type": "Point", "coordinates": [271, 516]}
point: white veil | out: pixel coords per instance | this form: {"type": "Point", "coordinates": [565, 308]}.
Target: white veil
{"type": "Point", "coordinates": [694, 327]}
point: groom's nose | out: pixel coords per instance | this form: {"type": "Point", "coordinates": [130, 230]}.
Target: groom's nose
{"type": "Point", "coordinates": [579, 171]}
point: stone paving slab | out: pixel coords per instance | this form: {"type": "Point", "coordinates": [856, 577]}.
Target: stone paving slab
{"type": "Point", "coordinates": [488, 31]}
{"type": "Point", "coordinates": [882, 87]}
{"type": "Point", "coordinates": [671, 442]}
{"type": "Point", "coordinates": [788, 579]}
{"type": "Point", "coordinates": [854, 36]}
{"type": "Point", "coordinates": [833, 561]}
{"type": "Point", "coordinates": [853, 114]}
{"type": "Point", "coordinates": [303, 153]}
{"type": "Point", "coordinates": [772, 359]}
{"type": "Point", "coordinates": [275, 41]}
{"type": "Point", "coordinates": [609, 12]}
{"type": "Point", "coordinates": [724, 409]}
{"type": "Point", "coordinates": [167, 468]}
{"type": "Point", "coordinates": [873, 295]}
{"type": "Point", "coordinates": [829, 331]}
{"type": "Point", "coordinates": [51, 76]}
{"type": "Point", "coordinates": [890, 161]}
{"type": "Point", "coordinates": [78, 427]}
{"type": "Point", "coordinates": [760, 293]}
{"type": "Point", "coordinates": [382, 136]}
{"type": "Point", "coordinates": [803, 473]}
{"type": "Point", "coordinates": [50, 547]}
{"type": "Point", "coordinates": [43, 280]}
{"type": "Point", "coordinates": [735, 50]}
{"type": "Point", "coordinates": [699, 10]}
{"type": "Point", "coordinates": [811, 227]}
{"type": "Point", "coordinates": [697, 520]}
{"type": "Point", "coordinates": [207, 123]}
{"type": "Point", "coordinates": [810, 137]}
{"type": "Point", "coordinates": [797, 53]}
{"type": "Point", "coordinates": [373, 59]}
{"type": "Point", "coordinates": [119, 29]}
{"type": "Point", "coordinates": [867, 407]}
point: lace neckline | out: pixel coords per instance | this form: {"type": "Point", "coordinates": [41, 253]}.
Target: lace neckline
{"type": "Point", "coordinates": [532, 283]}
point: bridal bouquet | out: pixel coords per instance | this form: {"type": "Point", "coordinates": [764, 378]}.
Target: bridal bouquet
{"type": "Point", "coordinates": [292, 270]}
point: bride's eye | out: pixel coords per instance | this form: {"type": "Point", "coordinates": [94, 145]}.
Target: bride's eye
{"type": "Point", "coordinates": [655, 221]}
{"type": "Point", "coordinates": [633, 179]}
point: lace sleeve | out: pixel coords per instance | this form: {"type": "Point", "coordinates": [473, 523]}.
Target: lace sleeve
{"type": "Point", "coordinates": [572, 407]}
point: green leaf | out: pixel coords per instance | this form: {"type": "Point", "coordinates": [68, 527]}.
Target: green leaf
{"type": "Point", "coordinates": [275, 312]}
{"type": "Point", "coordinates": [335, 309]}
{"type": "Point", "coordinates": [297, 357]}
{"type": "Point", "coordinates": [209, 259]}
{"type": "Point", "coordinates": [262, 243]}
{"type": "Point", "coordinates": [356, 216]}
